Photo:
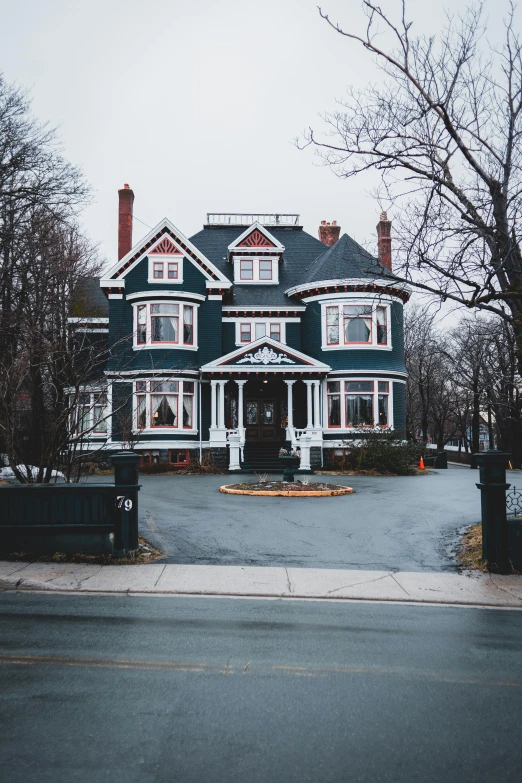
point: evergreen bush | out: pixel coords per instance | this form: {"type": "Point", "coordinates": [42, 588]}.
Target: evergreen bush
{"type": "Point", "coordinates": [384, 452]}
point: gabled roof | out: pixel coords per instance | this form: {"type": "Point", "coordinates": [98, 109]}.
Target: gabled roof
{"type": "Point", "coordinates": [256, 237]}
{"type": "Point", "coordinates": [266, 355]}
{"type": "Point", "coordinates": [345, 259]}
{"type": "Point", "coordinates": [164, 230]}
{"type": "Point", "coordinates": [300, 249]}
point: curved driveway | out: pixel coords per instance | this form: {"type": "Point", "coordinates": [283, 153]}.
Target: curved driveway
{"type": "Point", "coordinates": [399, 524]}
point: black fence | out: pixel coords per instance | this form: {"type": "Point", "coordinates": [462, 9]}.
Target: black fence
{"type": "Point", "coordinates": [89, 518]}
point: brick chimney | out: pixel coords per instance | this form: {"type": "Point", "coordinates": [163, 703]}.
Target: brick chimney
{"type": "Point", "coordinates": [126, 200]}
{"type": "Point", "coordinates": [384, 241]}
{"type": "Point", "coordinates": [329, 233]}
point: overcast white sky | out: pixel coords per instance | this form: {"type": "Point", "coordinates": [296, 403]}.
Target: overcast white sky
{"type": "Point", "coordinates": [195, 103]}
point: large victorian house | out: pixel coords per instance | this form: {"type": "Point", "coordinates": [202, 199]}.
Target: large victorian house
{"type": "Point", "coordinates": [247, 335]}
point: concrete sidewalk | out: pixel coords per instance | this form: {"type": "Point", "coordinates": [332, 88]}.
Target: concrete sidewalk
{"type": "Point", "coordinates": [255, 581]}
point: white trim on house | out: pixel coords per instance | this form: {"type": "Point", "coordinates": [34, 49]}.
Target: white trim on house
{"type": "Point", "coordinates": [87, 320]}
{"type": "Point", "coordinates": [236, 245]}
{"type": "Point", "coordinates": [146, 295]}
{"type": "Point", "coordinates": [163, 224]}
{"type": "Point", "coordinates": [298, 361]}
{"type": "Point", "coordinates": [382, 282]}
{"type": "Point", "coordinates": [264, 309]}
{"type": "Point", "coordinates": [216, 284]}
{"type": "Point", "coordinates": [389, 374]}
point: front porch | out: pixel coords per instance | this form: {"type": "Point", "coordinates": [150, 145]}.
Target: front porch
{"type": "Point", "coordinates": [267, 406]}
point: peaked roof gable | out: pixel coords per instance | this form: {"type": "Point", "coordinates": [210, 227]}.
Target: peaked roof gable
{"type": "Point", "coordinates": [255, 237]}
{"type": "Point", "coordinates": [266, 354]}
{"type": "Point", "coordinates": [164, 232]}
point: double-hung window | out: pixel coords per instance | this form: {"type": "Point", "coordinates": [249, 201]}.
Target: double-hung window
{"type": "Point", "coordinates": [165, 323]}
{"type": "Point", "coordinates": [246, 269]}
{"type": "Point", "coordinates": [165, 404]}
{"type": "Point", "coordinates": [91, 413]}
{"type": "Point", "coordinates": [357, 324]}
{"type": "Point", "coordinates": [254, 330]}
{"type": "Point", "coordinates": [357, 403]}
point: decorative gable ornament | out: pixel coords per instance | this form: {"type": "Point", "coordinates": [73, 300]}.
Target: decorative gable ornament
{"type": "Point", "coordinates": [265, 356]}
{"type": "Point", "coordinates": [256, 239]}
{"type": "Point", "coordinates": [165, 247]}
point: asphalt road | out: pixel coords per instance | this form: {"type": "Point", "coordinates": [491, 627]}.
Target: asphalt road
{"type": "Point", "coordinates": [189, 689]}
{"type": "Point", "coordinates": [407, 523]}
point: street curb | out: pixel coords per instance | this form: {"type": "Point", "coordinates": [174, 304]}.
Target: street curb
{"type": "Point", "coordinates": [267, 582]}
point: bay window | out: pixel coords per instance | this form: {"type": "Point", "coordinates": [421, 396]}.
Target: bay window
{"type": "Point", "coordinates": [358, 324]}
{"type": "Point", "coordinates": [165, 404]}
{"type": "Point", "coordinates": [165, 323]}
{"type": "Point", "coordinates": [364, 403]}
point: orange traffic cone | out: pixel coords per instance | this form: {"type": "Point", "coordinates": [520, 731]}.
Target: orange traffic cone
{"type": "Point", "coordinates": [421, 464]}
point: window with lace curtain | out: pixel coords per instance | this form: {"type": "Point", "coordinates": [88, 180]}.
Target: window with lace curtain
{"type": "Point", "coordinates": [165, 323]}
{"type": "Point", "coordinates": [356, 324]}
{"type": "Point", "coordinates": [166, 404]}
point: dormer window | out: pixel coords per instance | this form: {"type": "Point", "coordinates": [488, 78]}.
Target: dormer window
{"type": "Point", "coordinates": [255, 329]}
{"type": "Point", "coordinates": [256, 270]}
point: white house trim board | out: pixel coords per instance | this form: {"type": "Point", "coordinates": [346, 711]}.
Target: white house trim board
{"type": "Point", "coordinates": [380, 282]}
{"type": "Point", "coordinates": [263, 309]}
{"type": "Point", "coordinates": [157, 295]}
{"type": "Point", "coordinates": [236, 245]}
{"type": "Point", "coordinates": [116, 272]}
{"type": "Point", "coordinates": [298, 361]}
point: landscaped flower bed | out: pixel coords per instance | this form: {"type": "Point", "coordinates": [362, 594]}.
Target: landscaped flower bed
{"type": "Point", "coordinates": [286, 489]}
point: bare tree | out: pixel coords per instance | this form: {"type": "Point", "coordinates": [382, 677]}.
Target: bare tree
{"type": "Point", "coordinates": [443, 130]}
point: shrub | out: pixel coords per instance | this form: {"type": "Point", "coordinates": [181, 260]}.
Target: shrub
{"type": "Point", "coordinates": [385, 452]}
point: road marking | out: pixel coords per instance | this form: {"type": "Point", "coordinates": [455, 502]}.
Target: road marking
{"type": "Point", "coordinates": [262, 669]}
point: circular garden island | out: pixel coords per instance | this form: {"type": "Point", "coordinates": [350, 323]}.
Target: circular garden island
{"type": "Point", "coordinates": [286, 489]}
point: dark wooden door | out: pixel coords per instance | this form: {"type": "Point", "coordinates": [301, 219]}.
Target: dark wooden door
{"type": "Point", "coordinates": [261, 418]}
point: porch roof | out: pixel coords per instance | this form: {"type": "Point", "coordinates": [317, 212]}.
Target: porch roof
{"type": "Point", "coordinates": [268, 356]}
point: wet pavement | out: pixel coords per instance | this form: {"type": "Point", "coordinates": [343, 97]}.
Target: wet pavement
{"type": "Point", "coordinates": [154, 690]}
{"type": "Point", "coordinates": [410, 523]}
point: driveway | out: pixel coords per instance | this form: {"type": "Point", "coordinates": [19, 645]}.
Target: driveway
{"type": "Point", "coordinates": [400, 524]}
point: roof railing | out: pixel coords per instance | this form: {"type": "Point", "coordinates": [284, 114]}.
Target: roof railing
{"type": "Point", "coordinates": [246, 219]}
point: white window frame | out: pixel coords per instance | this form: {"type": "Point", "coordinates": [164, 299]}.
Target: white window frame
{"type": "Point", "coordinates": [148, 344]}
{"type": "Point", "coordinates": [89, 431]}
{"type": "Point", "coordinates": [149, 429]}
{"type": "Point", "coordinates": [342, 346]}
{"type": "Point", "coordinates": [165, 259]}
{"type": "Point", "coordinates": [342, 393]}
{"type": "Point", "coordinates": [256, 280]}
{"type": "Point", "coordinates": [253, 322]}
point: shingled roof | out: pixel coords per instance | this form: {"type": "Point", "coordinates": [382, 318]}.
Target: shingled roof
{"type": "Point", "coordinates": [300, 251]}
{"type": "Point", "coordinates": [345, 259]}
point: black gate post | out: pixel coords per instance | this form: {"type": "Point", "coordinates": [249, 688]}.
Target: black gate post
{"type": "Point", "coordinates": [493, 487]}
{"type": "Point", "coordinates": [126, 511]}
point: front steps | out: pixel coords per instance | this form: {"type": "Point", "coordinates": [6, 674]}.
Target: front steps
{"type": "Point", "coordinates": [262, 458]}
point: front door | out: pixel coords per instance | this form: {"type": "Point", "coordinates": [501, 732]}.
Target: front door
{"type": "Point", "coordinates": [260, 419]}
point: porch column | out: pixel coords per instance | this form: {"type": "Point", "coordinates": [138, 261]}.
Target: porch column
{"type": "Point", "coordinates": [213, 407]}
{"type": "Point", "coordinates": [317, 407]}
{"type": "Point", "coordinates": [221, 419]}
{"type": "Point", "coordinates": [240, 385]}
{"type": "Point", "coordinates": [309, 411]}
{"type": "Point", "coordinates": [290, 403]}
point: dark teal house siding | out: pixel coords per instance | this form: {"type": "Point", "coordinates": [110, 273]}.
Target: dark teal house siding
{"type": "Point", "coordinates": [121, 410]}
{"type": "Point", "coordinates": [229, 337]}
{"type": "Point", "coordinates": [399, 406]}
{"type": "Point", "coordinates": [293, 336]}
